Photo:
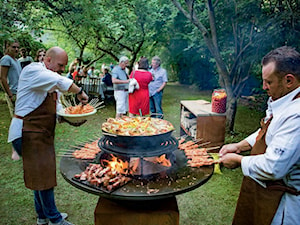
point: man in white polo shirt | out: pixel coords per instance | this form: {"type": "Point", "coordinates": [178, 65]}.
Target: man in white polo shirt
{"type": "Point", "coordinates": [120, 81]}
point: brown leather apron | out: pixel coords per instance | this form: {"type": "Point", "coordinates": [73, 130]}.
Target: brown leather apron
{"type": "Point", "coordinates": [257, 205]}
{"type": "Point", "coordinates": [38, 152]}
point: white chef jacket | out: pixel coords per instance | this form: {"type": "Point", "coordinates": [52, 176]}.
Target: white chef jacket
{"type": "Point", "coordinates": [34, 84]}
{"type": "Point", "coordinates": [282, 157]}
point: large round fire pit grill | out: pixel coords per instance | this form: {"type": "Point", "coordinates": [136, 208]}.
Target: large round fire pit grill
{"type": "Point", "coordinates": [179, 179]}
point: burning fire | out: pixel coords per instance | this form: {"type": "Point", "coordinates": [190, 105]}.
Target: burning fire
{"type": "Point", "coordinates": [117, 165]}
{"type": "Point", "coordinates": [122, 167]}
{"type": "Point", "coordinates": [163, 161]}
{"type": "Point", "coordinates": [160, 160]}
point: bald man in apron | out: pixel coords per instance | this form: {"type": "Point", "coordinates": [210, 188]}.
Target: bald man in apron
{"type": "Point", "coordinates": [33, 127]}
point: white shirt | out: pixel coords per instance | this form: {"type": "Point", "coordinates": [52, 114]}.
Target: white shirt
{"type": "Point", "coordinates": [282, 157]}
{"type": "Point", "coordinates": [34, 84]}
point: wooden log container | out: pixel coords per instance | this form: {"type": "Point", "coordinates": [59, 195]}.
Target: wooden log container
{"type": "Point", "coordinates": [198, 120]}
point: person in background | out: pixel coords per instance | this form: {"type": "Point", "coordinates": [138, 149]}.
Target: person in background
{"type": "Point", "coordinates": [72, 68]}
{"type": "Point", "coordinates": [270, 192]}
{"type": "Point", "coordinates": [10, 72]}
{"type": "Point", "coordinates": [103, 66]}
{"type": "Point", "coordinates": [91, 71]}
{"type": "Point", "coordinates": [75, 62]}
{"type": "Point", "coordinates": [40, 54]}
{"type": "Point", "coordinates": [111, 66]}
{"type": "Point", "coordinates": [84, 72]}
{"type": "Point", "coordinates": [106, 80]}
{"type": "Point", "coordinates": [156, 87]}
{"type": "Point", "coordinates": [139, 100]}
{"type": "Point", "coordinates": [70, 72]}
{"type": "Point", "coordinates": [76, 74]}
{"type": "Point", "coordinates": [9, 76]}
{"type": "Point", "coordinates": [33, 126]}
{"type": "Point", "coordinates": [120, 82]}
{"type": "Point", "coordinates": [25, 59]}
{"type": "Point", "coordinates": [74, 65]}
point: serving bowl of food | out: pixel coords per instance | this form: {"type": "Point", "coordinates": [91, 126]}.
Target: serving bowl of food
{"type": "Point", "coordinates": [78, 113]}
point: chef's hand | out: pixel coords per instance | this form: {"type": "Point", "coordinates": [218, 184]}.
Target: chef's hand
{"type": "Point", "coordinates": [83, 97]}
{"type": "Point", "coordinates": [235, 148]}
{"type": "Point", "coordinates": [231, 160]}
{"type": "Point", "coordinates": [229, 148]}
{"type": "Point", "coordinates": [61, 119]}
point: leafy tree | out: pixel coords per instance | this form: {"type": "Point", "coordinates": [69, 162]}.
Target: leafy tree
{"type": "Point", "coordinates": [70, 20]}
{"type": "Point", "coordinates": [111, 28]}
{"type": "Point", "coordinates": [196, 39]}
{"type": "Point", "coordinates": [16, 24]}
{"type": "Point", "coordinates": [236, 35]}
{"type": "Point", "coordinates": [130, 28]}
{"type": "Point", "coordinates": [188, 58]}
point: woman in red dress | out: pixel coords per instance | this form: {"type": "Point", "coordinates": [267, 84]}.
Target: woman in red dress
{"type": "Point", "coordinates": [139, 99]}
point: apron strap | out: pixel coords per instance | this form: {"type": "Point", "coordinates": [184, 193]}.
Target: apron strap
{"type": "Point", "coordinates": [19, 117]}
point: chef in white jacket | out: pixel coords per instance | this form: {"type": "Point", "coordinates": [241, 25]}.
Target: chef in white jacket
{"type": "Point", "coordinates": [279, 160]}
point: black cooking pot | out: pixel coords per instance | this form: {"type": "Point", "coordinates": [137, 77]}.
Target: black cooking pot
{"type": "Point", "coordinates": [138, 141]}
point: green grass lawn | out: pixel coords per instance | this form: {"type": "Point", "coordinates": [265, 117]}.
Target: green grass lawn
{"type": "Point", "coordinates": [210, 204]}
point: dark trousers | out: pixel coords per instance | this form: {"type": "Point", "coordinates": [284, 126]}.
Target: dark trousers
{"type": "Point", "coordinates": [44, 202]}
{"type": "Point", "coordinates": [155, 105]}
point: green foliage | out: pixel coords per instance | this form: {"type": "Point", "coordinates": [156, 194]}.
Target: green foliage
{"type": "Point", "coordinates": [16, 24]}
{"type": "Point", "coordinates": [187, 62]}
{"type": "Point", "coordinates": [105, 30]}
{"type": "Point", "coordinates": [222, 52]}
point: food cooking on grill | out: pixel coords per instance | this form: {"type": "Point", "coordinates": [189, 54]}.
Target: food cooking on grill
{"type": "Point", "coordinates": [196, 156]}
{"type": "Point", "coordinates": [124, 168]}
{"type": "Point", "coordinates": [88, 151]}
{"type": "Point", "coordinates": [137, 126]}
{"type": "Point", "coordinates": [104, 177]}
{"type": "Point", "coordinates": [188, 145]}
{"type": "Point", "coordinates": [138, 176]}
{"type": "Point", "coordinates": [201, 160]}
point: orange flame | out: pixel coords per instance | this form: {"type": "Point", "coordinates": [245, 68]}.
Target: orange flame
{"type": "Point", "coordinates": [117, 165]}
{"type": "Point", "coordinates": [163, 161]}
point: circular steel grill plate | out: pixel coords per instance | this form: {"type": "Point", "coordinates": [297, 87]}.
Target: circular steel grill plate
{"type": "Point", "coordinates": [179, 179]}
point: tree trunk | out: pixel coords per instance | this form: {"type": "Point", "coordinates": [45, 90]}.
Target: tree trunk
{"type": "Point", "coordinates": [210, 38]}
{"type": "Point", "coordinates": [231, 111]}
